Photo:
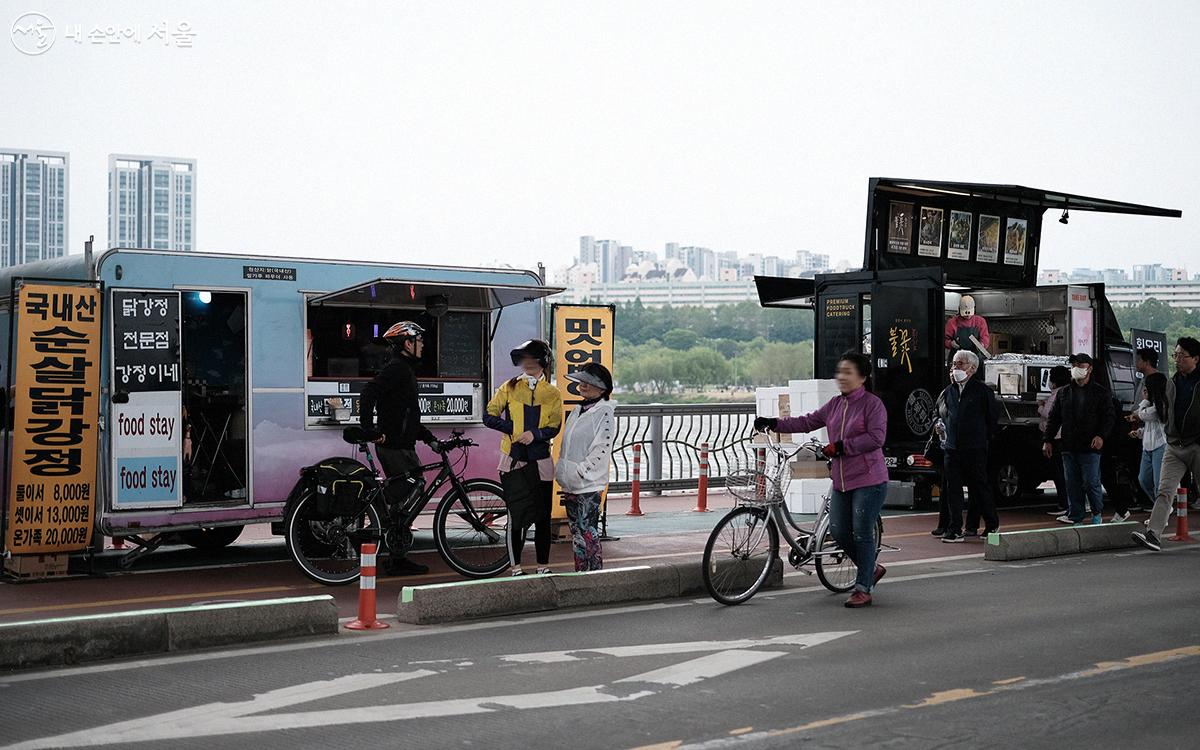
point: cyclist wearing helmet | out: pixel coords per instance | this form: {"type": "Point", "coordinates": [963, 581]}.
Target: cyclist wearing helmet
{"type": "Point", "coordinates": [393, 394]}
{"type": "Point", "coordinates": [583, 460]}
{"type": "Point", "coordinates": [528, 411]}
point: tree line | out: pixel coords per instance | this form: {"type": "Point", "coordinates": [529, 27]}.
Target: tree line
{"type": "Point", "coordinates": [685, 353]}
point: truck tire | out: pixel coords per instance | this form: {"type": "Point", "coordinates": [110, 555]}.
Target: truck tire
{"type": "Point", "coordinates": [212, 539]}
{"type": "Point", "coordinates": [1008, 480]}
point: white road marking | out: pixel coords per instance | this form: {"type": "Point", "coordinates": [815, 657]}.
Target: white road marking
{"type": "Point", "coordinates": [687, 647]}
{"type": "Point", "coordinates": [245, 717]}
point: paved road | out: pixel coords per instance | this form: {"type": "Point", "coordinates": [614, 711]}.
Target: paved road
{"type": "Point", "coordinates": [1085, 651]}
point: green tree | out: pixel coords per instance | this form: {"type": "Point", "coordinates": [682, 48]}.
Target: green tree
{"type": "Point", "coordinates": [680, 339]}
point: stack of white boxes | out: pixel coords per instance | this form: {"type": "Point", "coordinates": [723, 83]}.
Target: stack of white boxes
{"type": "Point", "coordinates": [808, 485]}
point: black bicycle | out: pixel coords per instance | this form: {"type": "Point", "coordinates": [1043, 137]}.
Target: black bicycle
{"type": "Point", "coordinates": [327, 522]}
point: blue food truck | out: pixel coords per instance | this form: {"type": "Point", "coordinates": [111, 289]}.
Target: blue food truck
{"type": "Point", "coordinates": [221, 375]}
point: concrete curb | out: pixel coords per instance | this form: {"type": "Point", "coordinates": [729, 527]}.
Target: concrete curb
{"type": "Point", "coordinates": [72, 640]}
{"type": "Point", "coordinates": [1066, 540]}
{"type": "Point", "coordinates": [466, 600]}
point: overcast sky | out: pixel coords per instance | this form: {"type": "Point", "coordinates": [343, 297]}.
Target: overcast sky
{"type": "Point", "coordinates": [470, 132]}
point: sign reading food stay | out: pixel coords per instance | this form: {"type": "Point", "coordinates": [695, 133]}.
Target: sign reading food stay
{"type": "Point", "coordinates": [56, 384]}
{"type": "Point", "coordinates": [147, 425]}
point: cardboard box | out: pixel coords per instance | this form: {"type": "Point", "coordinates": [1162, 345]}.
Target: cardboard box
{"type": "Point", "coordinates": [37, 566]}
{"type": "Point", "coordinates": [1001, 343]}
{"type": "Point", "coordinates": [810, 470]}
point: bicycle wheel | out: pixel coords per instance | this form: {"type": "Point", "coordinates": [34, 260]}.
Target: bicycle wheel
{"type": "Point", "coordinates": [327, 549]}
{"type": "Point", "coordinates": [837, 571]}
{"type": "Point", "coordinates": [470, 531]}
{"type": "Point", "coordinates": [739, 554]}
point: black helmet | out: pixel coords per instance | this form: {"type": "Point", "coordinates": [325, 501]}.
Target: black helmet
{"type": "Point", "coordinates": [535, 348]}
{"type": "Point", "coordinates": [595, 375]}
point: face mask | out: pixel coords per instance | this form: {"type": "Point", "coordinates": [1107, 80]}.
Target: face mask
{"type": "Point", "coordinates": [1079, 373]}
{"type": "Point", "coordinates": [532, 380]}
{"type": "Point", "coordinates": [960, 376]}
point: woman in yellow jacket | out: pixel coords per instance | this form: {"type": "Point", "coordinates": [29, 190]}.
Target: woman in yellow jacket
{"type": "Point", "coordinates": [528, 411]}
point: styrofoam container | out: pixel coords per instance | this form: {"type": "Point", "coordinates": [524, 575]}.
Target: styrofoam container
{"type": "Point", "coordinates": [805, 495]}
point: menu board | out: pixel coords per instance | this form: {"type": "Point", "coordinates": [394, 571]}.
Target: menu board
{"type": "Point", "coordinates": [838, 331]}
{"type": "Point", "coordinates": [460, 345]}
{"type": "Point", "coordinates": [147, 430]}
{"type": "Point", "coordinates": [930, 235]}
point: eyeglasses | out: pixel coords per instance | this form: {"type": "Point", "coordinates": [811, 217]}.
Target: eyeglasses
{"type": "Point", "coordinates": [1179, 354]}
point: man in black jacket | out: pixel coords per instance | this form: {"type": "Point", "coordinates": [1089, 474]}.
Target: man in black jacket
{"type": "Point", "coordinates": [393, 393]}
{"type": "Point", "coordinates": [969, 417]}
{"type": "Point", "coordinates": [1084, 412]}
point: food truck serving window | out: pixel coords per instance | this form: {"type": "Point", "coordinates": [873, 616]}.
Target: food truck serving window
{"type": "Point", "coordinates": [345, 350]}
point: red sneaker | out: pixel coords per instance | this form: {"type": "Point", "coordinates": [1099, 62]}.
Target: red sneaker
{"type": "Point", "coordinates": [880, 572]}
{"type": "Point", "coordinates": [859, 599]}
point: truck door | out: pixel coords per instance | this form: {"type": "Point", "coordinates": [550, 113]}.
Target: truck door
{"type": "Point", "coordinates": [906, 348]}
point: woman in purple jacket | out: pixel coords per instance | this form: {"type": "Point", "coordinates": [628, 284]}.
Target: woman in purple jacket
{"type": "Point", "coordinates": [857, 425]}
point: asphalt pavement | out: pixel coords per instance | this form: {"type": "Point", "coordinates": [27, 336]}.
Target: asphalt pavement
{"type": "Point", "coordinates": [1093, 651]}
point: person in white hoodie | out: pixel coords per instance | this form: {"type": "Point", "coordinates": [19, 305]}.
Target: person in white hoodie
{"type": "Point", "coordinates": [583, 460]}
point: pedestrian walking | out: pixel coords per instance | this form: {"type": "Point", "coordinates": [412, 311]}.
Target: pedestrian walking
{"type": "Point", "coordinates": [583, 461]}
{"type": "Point", "coordinates": [970, 414]}
{"type": "Point", "coordinates": [1151, 418]}
{"type": "Point", "coordinates": [1182, 453]}
{"type": "Point", "coordinates": [527, 410]}
{"type": "Point", "coordinates": [857, 424]}
{"type": "Point", "coordinates": [1059, 378]}
{"type": "Point", "coordinates": [1084, 413]}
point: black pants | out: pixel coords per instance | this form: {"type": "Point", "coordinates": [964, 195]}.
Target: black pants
{"type": "Point", "coordinates": [967, 467]}
{"type": "Point", "coordinates": [397, 462]}
{"type": "Point", "coordinates": [541, 524]}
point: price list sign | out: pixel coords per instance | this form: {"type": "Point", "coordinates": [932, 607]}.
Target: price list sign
{"type": "Point", "coordinates": [147, 430]}
{"type": "Point", "coordinates": [56, 383]}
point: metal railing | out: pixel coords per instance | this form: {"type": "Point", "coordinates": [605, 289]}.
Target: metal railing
{"type": "Point", "coordinates": [671, 435]}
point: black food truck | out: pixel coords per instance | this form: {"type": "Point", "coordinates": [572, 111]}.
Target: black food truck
{"type": "Point", "coordinates": [928, 244]}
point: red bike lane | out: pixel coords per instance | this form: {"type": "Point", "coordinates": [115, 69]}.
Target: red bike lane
{"type": "Point", "coordinates": [257, 567]}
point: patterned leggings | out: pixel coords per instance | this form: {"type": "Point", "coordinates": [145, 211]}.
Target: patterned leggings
{"type": "Point", "coordinates": [583, 516]}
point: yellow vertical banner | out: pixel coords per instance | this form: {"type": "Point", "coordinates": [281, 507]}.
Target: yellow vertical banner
{"type": "Point", "coordinates": [579, 334]}
{"type": "Point", "coordinates": [56, 387]}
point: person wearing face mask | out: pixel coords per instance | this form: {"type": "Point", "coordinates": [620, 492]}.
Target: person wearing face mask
{"type": "Point", "coordinates": [1084, 412]}
{"type": "Point", "coordinates": [970, 415]}
{"type": "Point", "coordinates": [961, 328]}
{"type": "Point", "coordinates": [527, 410]}
{"type": "Point", "coordinates": [857, 424]}
{"type": "Point", "coordinates": [583, 461]}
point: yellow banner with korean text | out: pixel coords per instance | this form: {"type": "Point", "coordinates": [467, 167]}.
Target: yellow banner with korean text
{"type": "Point", "coordinates": [579, 334]}
{"type": "Point", "coordinates": [51, 498]}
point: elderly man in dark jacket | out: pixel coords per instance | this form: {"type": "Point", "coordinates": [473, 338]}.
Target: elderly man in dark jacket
{"type": "Point", "coordinates": [1084, 412]}
{"type": "Point", "coordinates": [969, 416]}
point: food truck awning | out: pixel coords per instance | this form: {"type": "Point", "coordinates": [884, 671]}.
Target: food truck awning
{"type": "Point", "coordinates": [1025, 196]}
{"type": "Point", "coordinates": [780, 291]}
{"type": "Point", "coordinates": [409, 293]}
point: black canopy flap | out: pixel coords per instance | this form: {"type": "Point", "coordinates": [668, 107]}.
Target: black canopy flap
{"type": "Point", "coordinates": [411, 293]}
{"type": "Point", "coordinates": [780, 291]}
{"type": "Point", "coordinates": [1024, 196]}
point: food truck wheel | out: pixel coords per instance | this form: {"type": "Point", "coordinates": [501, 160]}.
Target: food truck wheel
{"type": "Point", "coordinates": [1008, 481]}
{"type": "Point", "coordinates": [215, 538]}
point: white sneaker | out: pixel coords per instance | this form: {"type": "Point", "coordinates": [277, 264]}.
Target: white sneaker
{"type": "Point", "coordinates": [1064, 519]}
{"type": "Point", "coordinates": [516, 571]}
{"type": "Point", "coordinates": [1119, 517]}
{"type": "Point", "coordinates": [544, 571]}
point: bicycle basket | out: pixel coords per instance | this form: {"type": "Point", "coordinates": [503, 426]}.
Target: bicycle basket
{"type": "Point", "coordinates": [754, 488]}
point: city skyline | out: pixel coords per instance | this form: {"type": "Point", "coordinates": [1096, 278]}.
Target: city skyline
{"type": "Point", "coordinates": [34, 205]}
{"type": "Point", "coordinates": [151, 202]}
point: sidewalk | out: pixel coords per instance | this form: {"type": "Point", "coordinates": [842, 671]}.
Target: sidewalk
{"type": "Point", "coordinates": [257, 565]}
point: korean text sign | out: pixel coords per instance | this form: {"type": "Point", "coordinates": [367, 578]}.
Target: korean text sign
{"type": "Point", "coordinates": [582, 334]}
{"type": "Point", "coordinates": [147, 430]}
{"type": "Point", "coordinates": [56, 376]}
